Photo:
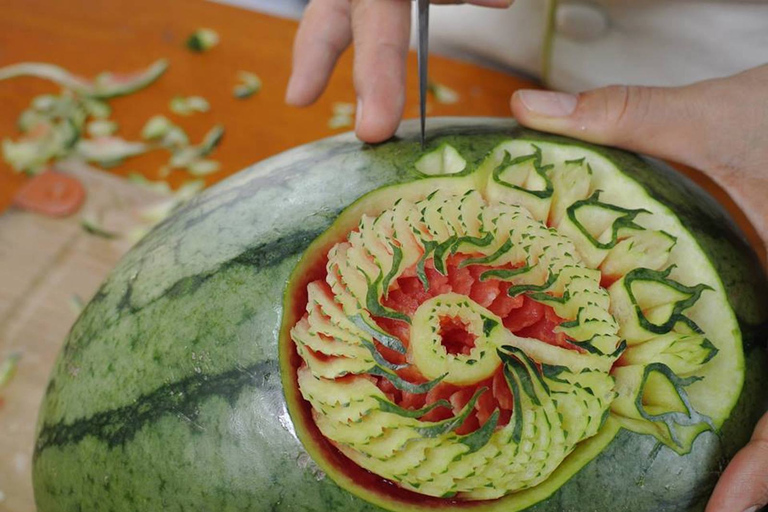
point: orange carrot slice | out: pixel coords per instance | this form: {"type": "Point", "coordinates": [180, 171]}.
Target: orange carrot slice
{"type": "Point", "coordinates": [51, 193]}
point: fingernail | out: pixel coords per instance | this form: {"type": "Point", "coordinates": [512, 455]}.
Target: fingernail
{"type": "Point", "coordinates": [752, 509]}
{"type": "Point", "coordinates": [548, 103]}
{"type": "Point", "coordinates": [359, 112]}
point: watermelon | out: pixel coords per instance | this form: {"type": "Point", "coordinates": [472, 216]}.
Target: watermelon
{"type": "Point", "coordinates": [564, 327]}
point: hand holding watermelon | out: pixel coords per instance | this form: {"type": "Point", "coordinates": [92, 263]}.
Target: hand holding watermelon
{"type": "Point", "coordinates": [743, 485]}
{"type": "Point", "coordinates": [718, 126]}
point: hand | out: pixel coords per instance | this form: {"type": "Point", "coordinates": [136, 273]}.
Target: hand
{"type": "Point", "coordinates": [744, 484]}
{"type": "Point", "coordinates": [381, 31]}
{"type": "Point", "coordinates": [718, 126]}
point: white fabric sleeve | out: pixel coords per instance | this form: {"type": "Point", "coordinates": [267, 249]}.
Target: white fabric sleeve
{"type": "Point", "coordinates": [642, 42]}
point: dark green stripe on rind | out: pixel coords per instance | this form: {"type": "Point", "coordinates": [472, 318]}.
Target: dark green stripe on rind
{"type": "Point", "coordinates": [118, 426]}
{"type": "Point", "coordinates": [173, 329]}
{"type": "Point", "coordinates": [262, 257]}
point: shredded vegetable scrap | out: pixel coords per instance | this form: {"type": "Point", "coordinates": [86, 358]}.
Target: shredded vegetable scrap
{"type": "Point", "coordinates": [186, 106]}
{"type": "Point", "coordinates": [101, 128]}
{"type": "Point", "coordinates": [188, 155]}
{"type": "Point", "coordinates": [202, 40]}
{"type": "Point", "coordinates": [443, 94]}
{"type": "Point", "coordinates": [54, 127]}
{"type": "Point", "coordinates": [161, 129]}
{"type": "Point", "coordinates": [156, 128]}
{"type": "Point", "coordinates": [341, 108]}
{"type": "Point", "coordinates": [342, 115]}
{"type": "Point", "coordinates": [8, 368]}
{"type": "Point", "coordinates": [159, 187]}
{"type": "Point", "coordinates": [104, 85]}
{"type": "Point", "coordinates": [76, 124]}
{"type": "Point", "coordinates": [42, 142]}
{"type": "Point", "coordinates": [108, 151]}
{"type": "Point", "coordinates": [203, 167]}
{"type": "Point", "coordinates": [175, 138]}
{"type": "Point", "coordinates": [96, 108]}
{"type": "Point", "coordinates": [183, 156]}
{"type": "Point", "coordinates": [92, 226]}
{"type": "Point", "coordinates": [249, 85]}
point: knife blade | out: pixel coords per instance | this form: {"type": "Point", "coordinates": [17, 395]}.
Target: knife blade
{"type": "Point", "coordinates": [423, 53]}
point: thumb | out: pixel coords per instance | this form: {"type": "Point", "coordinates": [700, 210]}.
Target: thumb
{"type": "Point", "coordinates": [744, 484]}
{"type": "Point", "coordinates": [652, 120]}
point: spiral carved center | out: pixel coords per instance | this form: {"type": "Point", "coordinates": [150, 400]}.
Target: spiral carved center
{"type": "Point", "coordinates": [496, 415]}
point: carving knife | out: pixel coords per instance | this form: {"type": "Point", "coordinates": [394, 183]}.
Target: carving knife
{"type": "Point", "coordinates": [423, 6]}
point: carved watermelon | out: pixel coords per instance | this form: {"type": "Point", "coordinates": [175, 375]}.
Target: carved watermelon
{"type": "Point", "coordinates": [506, 321]}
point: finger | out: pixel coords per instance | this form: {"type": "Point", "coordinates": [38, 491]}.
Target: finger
{"type": "Point", "coordinates": [323, 34]}
{"type": "Point", "coordinates": [650, 120]}
{"type": "Point", "coordinates": [381, 30]}
{"type": "Point", "coordinates": [744, 484]}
